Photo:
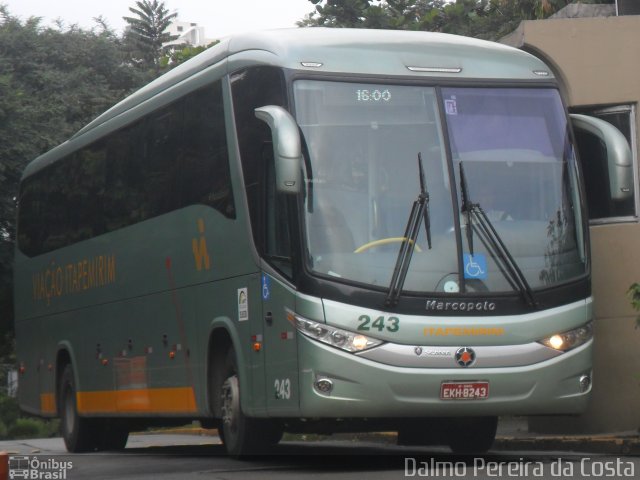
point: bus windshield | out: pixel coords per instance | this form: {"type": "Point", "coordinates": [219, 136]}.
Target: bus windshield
{"type": "Point", "coordinates": [362, 177]}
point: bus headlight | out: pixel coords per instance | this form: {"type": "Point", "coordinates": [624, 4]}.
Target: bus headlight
{"type": "Point", "coordinates": [571, 339]}
{"type": "Point", "coordinates": [336, 337]}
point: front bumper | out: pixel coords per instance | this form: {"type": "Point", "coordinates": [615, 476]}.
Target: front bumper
{"type": "Point", "coordinates": [365, 388]}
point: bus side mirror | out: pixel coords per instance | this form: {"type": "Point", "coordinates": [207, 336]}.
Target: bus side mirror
{"type": "Point", "coordinates": [616, 150]}
{"type": "Point", "coordinates": [287, 150]}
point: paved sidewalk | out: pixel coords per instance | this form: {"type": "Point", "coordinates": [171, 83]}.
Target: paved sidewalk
{"type": "Point", "coordinates": [514, 435]}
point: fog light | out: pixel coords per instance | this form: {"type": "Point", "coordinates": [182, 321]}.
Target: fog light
{"type": "Point", "coordinates": [324, 385]}
{"type": "Point", "coordinates": [585, 383]}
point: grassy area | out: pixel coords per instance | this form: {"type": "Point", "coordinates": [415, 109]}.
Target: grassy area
{"type": "Point", "coordinates": [14, 425]}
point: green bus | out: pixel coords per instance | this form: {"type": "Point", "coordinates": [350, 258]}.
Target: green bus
{"type": "Point", "coordinates": [311, 230]}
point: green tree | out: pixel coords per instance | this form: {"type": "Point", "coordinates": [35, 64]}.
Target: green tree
{"type": "Point", "coordinates": [392, 14]}
{"type": "Point", "coordinates": [408, 14]}
{"type": "Point", "coordinates": [489, 19]}
{"type": "Point", "coordinates": [343, 13]}
{"type": "Point", "coordinates": [634, 297]}
{"type": "Point", "coordinates": [174, 57]}
{"type": "Point", "coordinates": [147, 32]}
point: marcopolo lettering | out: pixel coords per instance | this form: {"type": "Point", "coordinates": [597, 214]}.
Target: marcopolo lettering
{"type": "Point", "coordinates": [460, 306]}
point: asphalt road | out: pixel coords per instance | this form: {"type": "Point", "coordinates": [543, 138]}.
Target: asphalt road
{"type": "Point", "coordinates": [164, 457]}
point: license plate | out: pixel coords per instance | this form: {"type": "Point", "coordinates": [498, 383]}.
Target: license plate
{"type": "Point", "coordinates": [464, 390]}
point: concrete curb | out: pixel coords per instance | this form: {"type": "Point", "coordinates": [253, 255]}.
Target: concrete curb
{"type": "Point", "coordinates": [204, 432]}
{"type": "Point", "coordinates": [603, 444]}
{"type": "Point", "coordinates": [614, 445]}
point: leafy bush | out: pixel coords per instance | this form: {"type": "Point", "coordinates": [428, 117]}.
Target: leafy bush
{"type": "Point", "coordinates": [13, 426]}
{"type": "Point", "coordinates": [25, 428]}
{"type": "Point", "coordinates": [32, 428]}
{"type": "Point", "coordinates": [9, 410]}
{"type": "Point", "coordinates": [634, 296]}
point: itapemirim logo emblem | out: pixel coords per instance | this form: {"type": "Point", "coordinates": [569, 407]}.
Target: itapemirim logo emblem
{"type": "Point", "coordinates": [199, 248]}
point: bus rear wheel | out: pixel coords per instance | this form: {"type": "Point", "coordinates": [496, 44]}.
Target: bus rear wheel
{"type": "Point", "coordinates": [113, 434]}
{"type": "Point", "coordinates": [240, 434]}
{"type": "Point", "coordinates": [77, 431]}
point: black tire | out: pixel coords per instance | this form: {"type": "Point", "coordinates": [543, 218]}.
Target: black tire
{"type": "Point", "coordinates": [472, 435]}
{"type": "Point", "coordinates": [419, 431]}
{"type": "Point", "coordinates": [78, 432]}
{"type": "Point", "coordinates": [411, 436]}
{"type": "Point", "coordinates": [242, 435]}
{"type": "Point", "coordinates": [113, 434]}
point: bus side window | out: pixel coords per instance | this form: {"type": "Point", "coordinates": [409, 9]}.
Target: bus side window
{"type": "Point", "coordinates": [253, 88]}
{"type": "Point", "coordinates": [163, 142]}
{"type": "Point", "coordinates": [125, 203]}
{"type": "Point", "coordinates": [204, 161]}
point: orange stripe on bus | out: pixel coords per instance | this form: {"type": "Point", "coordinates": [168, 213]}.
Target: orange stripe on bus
{"type": "Point", "coordinates": [143, 400]}
{"type": "Point", "coordinates": [47, 403]}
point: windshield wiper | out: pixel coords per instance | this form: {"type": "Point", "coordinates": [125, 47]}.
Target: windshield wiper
{"type": "Point", "coordinates": [419, 211]}
{"type": "Point", "coordinates": [493, 242]}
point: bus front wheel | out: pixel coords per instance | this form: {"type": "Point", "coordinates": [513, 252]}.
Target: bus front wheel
{"type": "Point", "coordinates": [240, 434]}
{"type": "Point", "coordinates": [472, 434]}
{"type": "Point", "coordinates": [76, 430]}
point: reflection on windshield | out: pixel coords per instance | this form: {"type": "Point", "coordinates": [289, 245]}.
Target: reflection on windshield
{"type": "Point", "coordinates": [362, 142]}
{"type": "Point", "coordinates": [514, 146]}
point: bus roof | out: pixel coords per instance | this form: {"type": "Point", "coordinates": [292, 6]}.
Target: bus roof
{"type": "Point", "coordinates": [390, 53]}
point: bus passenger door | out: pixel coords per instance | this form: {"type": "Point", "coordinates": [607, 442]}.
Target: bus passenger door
{"type": "Point", "coordinates": [280, 344]}
{"type": "Point", "coordinates": [280, 348]}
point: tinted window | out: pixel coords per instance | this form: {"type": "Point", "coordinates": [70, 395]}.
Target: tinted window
{"type": "Point", "coordinates": [253, 88]}
{"type": "Point", "coordinates": [173, 158]}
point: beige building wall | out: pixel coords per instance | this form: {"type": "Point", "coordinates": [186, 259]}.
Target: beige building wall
{"type": "Point", "coordinates": [598, 60]}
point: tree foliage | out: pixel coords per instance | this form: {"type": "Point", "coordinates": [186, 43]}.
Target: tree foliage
{"type": "Point", "coordinates": [634, 298]}
{"type": "Point", "coordinates": [147, 31]}
{"type": "Point", "coordinates": [181, 54]}
{"type": "Point", "coordinates": [489, 19]}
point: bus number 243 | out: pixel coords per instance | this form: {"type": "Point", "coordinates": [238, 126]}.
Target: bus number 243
{"type": "Point", "coordinates": [391, 324]}
{"type": "Point", "coordinates": [282, 388]}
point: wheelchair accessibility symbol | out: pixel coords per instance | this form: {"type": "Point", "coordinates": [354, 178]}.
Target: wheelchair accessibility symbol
{"type": "Point", "coordinates": [475, 266]}
{"type": "Point", "coordinates": [266, 287]}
